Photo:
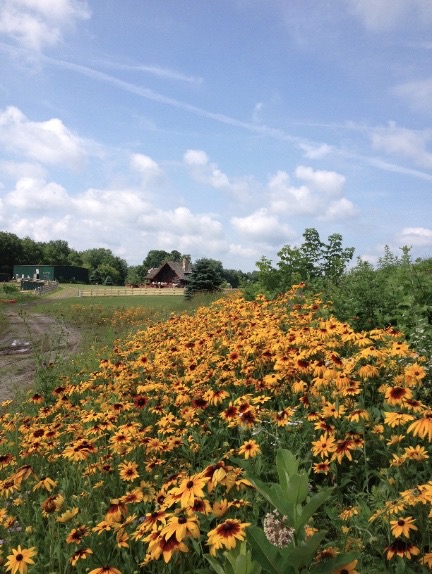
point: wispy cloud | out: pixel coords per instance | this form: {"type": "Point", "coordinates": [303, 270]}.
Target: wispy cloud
{"type": "Point", "coordinates": [158, 71]}
{"type": "Point", "coordinates": [261, 129]}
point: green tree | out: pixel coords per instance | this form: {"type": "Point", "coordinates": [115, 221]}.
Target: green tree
{"type": "Point", "coordinates": [155, 258]}
{"type": "Point", "coordinates": [56, 252]}
{"type": "Point", "coordinates": [313, 262]}
{"type": "Point", "coordinates": [206, 277]}
{"type": "Point", "coordinates": [135, 275]}
{"type": "Point", "coordinates": [106, 262]}
{"type": "Point", "coordinates": [95, 277]}
{"type": "Point", "coordinates": [11, 251]}
{"type": "Point", "coordinates": [32, 251]}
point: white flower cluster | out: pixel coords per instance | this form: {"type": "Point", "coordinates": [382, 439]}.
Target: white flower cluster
{"type": "Point", "coordinates": [276, 530]}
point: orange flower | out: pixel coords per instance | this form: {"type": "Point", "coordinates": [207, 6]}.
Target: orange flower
{"type": "Point", "coordinates": [227, 534]}
{"type": "Point", "coordinates": [402, 526]}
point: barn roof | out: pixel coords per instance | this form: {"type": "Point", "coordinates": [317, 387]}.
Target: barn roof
{"type": "Point", "coordinates": [176, 266]}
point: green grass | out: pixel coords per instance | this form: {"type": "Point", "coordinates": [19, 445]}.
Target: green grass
{"type": "Point", "coordinates": [101, 321]}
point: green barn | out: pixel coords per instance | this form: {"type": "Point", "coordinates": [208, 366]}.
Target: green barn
{"type": "Point", "coordinates": [60, 273]}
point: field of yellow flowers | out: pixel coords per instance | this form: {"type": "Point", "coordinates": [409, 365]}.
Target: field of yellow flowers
{"type": "Point", "coordinates": [158, 461]}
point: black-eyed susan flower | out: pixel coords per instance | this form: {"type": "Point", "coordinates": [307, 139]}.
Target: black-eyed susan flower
{"type": "Point", "coordinates": [397, 395]}
{"type": "Point", "coordinates": [151, 522]}
{"type": "Point", "coordinates": [402, 526]}
{"type": "Point", "coordinates": [426, 560]}
{"type": "Point", "coordinates": [324, 446]}
{"type": "Point", "coordinates": [322, 467]}
{"type": "Point", "coordinates": [181, 526]}
{"type": "Point", "coordinates": [105, 570]}
{"type": "Point", "coordinates": [190, 488]}
{"type": "Point", "coordinates": [393, 419]}
{"type": "Point", "coordinates": [349, 513]}
{"type": "Point", "coordinates": [226, 534]}
{"type": "Point", "coordinates": [422, 427]}
{"type": "Point", "coordinates": [52, 504]}
{"type": "Point", "coordinates": [249, 449]}
{"type": "Point", "coordinates": [347, 568]}
{"type": "Point", "coordinates": [19, 559]}
{"type": "Point", "coordinates": [76, 535]}
{"type": "Point", "coordinates": [80, 554]}
{"type": "Point", "coordinates": [165, 547]}
{"type": "Point", "coordinates": [68, 515]}
{"type": "Point", "coordinates": [46, 483]}
{"type": "Point", "coordinates": [343, 449]}
{"type": "Point", "coordinates": [417, 453]}
{"type": "Point", "coordinates": [128, 471]}
{"type": "Point", "coordinates": [7, 487]}
{"type": "Point", "coordinates": [401, 548]}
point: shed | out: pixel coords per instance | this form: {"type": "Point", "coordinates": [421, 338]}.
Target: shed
{"type": "Point", "coordinates": [60, 273]}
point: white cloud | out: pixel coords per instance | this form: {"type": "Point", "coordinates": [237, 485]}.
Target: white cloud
{"type": "Point", "coordinates": [32, 194]}
{"type": "Point", "coordinates": [288, 199]}
{"type": "Point", "coordinates": [315, 151]}
{"type": "Point", "coordinates": [208, 173]}
{"type": "Point", "coordinates": [416, 236]}
{"type": "Point", "coordinates": [404, 142]}
{"type": "Point", "coordinates": [48, 142]}
{"type": "Point", "coordinates": [43, 228]}
{"type": "Point", "coordinates": [315, 198]}
{"type": "Point", "coordinates": [384, 15]}
{"type": "Point", "coordinates": [195, 157]}
{"type": "Point", "coordinates": [237, 250]}
{"type": "Point", "coordinates": [17, 169]}
{"type": "Point", "coordinates": [262, 226]}
{"type": "Point", "coordinates": [326, 181]}
{"type": "Point", "coordinates": [114, 207]}
{"type": "Point", "coordinates": [148, 169]}
{"type": "Point", "coordinates": [38, 23]}
{"type": "Point", "coordinates": [343, 208]}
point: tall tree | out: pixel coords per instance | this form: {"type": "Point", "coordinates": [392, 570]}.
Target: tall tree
{"type": "Point", "coordinates": [312, 262]}
{"type": "Point", "coordinates": [56, 252]}
{"type": "Point", "coordinates": [155, 258]}
{"type": "Point", "coordinates": [206, 277]}
{"type": "Point", "coordinates": [11, 251]}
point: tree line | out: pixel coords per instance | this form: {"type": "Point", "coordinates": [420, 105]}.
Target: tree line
{"type": "Point", "coordinates": [397, 292]}
{"type": "Point", "coordinates": [103, 265]}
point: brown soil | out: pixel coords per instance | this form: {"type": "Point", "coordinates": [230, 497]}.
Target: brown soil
{"type": "Point", "coordinates": [26, 341]}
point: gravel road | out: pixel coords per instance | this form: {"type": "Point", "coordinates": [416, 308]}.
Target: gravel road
{"type": "Point", "coordinates": [25, 340]}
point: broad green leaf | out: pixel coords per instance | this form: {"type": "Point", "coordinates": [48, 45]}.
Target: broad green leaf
{"type": "Point", "coordinates": [274, 494]}
{"type": "Point", "coordinates": [298, 488]}
{"type": "Point", "coordinates": [300, 555]}
{"type": "Point", "coordinates": [267, 555]}
{"type": "Point", "coordinates": [311, 507]}
{"type": "Point", "coordinates": [287, 465]}
{"type": "Point", "coordinates": [218, 568]}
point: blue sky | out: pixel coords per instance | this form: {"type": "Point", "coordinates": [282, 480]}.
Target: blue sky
{"type": "Point", "coordinates": [220, 129]}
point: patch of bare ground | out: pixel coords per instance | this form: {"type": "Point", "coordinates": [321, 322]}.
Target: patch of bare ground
{"type": "Point", "coordinates": [29, 341]}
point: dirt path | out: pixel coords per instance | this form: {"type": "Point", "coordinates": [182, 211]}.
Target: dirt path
{"type": "Point", "coordinates": [27, 339]}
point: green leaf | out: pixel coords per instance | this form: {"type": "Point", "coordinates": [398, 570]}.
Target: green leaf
{"type": "Point", "coordinates": [287, 465]}
{"type": "Point", "coordinates": [218, 568]}
{"type": "Point", "coordinates": [300, 555]}
{"type": "Point", "coordinates": [267, 555]}
{"type": "Point", "coordinates": [274, 494]}
{"type": "Point", "coordinates": [298, 488]}
{"type": "Point", "coordinates": [311, 507]}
